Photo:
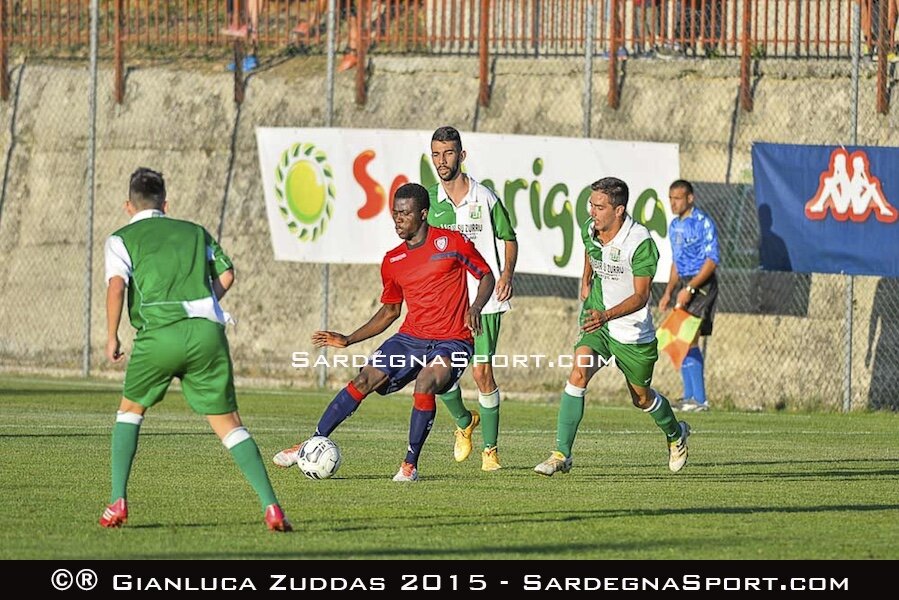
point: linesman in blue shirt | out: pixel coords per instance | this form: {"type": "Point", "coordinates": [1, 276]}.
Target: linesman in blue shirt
{"type": "Point", "coordinates": [692, 284]}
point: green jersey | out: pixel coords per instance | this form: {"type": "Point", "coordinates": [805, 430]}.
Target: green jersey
{"type": "Point", "coordinates": [631, 253]}
{"type": "Point", "coordinates": [168, 266]}
{"type": "Point", "coordinates": [483, 219]}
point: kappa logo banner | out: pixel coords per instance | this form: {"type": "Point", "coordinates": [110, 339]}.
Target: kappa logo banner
{"type": "Point", "coordinates": [328, 191]}
{"type": "Point", "coordinates": [826, 209]}
{"type": "Point", "coordinates": [847, 191]}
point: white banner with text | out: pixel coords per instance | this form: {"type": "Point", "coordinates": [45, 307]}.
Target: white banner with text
{"type": "Point", "coordinates": [328, 191]}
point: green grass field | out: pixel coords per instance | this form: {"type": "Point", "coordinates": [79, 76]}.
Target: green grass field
{"type": "Point", "coordinates": [758, 486]}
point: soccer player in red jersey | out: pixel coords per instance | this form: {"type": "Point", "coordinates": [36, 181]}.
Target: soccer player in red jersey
{"type": "Point", "coordinates": [434, 344]}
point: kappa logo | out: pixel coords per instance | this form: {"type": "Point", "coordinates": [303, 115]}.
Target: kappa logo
{"type": "Point", "coordinates": [441, 243]}
{"type": "Point", "coordinates": [849, 191]}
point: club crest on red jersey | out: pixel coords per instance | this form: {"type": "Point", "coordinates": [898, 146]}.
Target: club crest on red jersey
{"type": "Point", "coordinates": [441, 242]}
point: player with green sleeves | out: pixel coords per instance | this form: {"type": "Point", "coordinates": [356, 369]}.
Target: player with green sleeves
{"type": "Point", "coordinates": [460, 203]}
{"type": "Point", "coordinates": [620, 261]}
{"type": "Point", "coordinates": [174, 274]}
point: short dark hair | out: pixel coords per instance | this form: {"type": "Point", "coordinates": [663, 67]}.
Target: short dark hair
{"type": "Point", "coordinates": [146, 188]}
{"type": "Point", "coordinates": [682, 184]}
{"type": "Point", "coordinates": [448, 134]}
{"type": "Point", "coordinates": [415, 192]}
{"type": "Point", "coordinates": [614, 188]}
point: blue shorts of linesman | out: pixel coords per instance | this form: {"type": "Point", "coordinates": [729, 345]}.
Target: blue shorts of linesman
{"type": "Point", "coordinates": [402, 356]}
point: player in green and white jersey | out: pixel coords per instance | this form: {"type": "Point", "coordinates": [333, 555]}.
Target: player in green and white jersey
{"type": "Point", "coordinates": [620, 261]}
{"type": "Point", "coordinates": [459, 202]}
{"type": "Point", "coordinates": [174, 274]}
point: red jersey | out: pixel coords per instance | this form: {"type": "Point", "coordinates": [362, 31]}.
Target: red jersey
{"type": "Point", "coordinates": [431, 278]}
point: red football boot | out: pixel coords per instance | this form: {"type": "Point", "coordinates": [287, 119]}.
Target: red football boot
{"type": "Point", "coordinates": [115, 514]}
{"type": "Point", "coordinates": [275, 519]}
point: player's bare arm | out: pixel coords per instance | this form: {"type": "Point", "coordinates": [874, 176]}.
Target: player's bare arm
{"type": "Point", "coordinates": [473, 316]}
{"type": "Point", "coordinates": [223, 283]}
{"type": "Point", "coordinates": [586, 278]}
{"type": "Point", "coordinates": [384, 318]}
{"type": "Point", "coordinates": [504, 285]}
{"type": "Point", "coordinates": [596, 318]}
{"type": "Point", "coordinates": [707, 270]}
{"type": "Point", "coordinates": [115, 300]}
{"type": "Point", "coordinates": [673, 278]}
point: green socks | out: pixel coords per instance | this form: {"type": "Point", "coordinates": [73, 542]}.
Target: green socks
{"type": "Point", "coordinates": [124, 447]}
{"type": "Point", "coordinates": [489, 417]}
{"type": "Point", "coordinates": [661, 413]}
{"type": "Point", "coordinates": [246, 455]}
{"type": "Point", "coordinates": [453, 401]}
{"type": "Point", "coordinates": [571, 411]}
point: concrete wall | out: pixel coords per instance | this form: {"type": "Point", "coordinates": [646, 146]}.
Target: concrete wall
{"type": "Point", "coordinates": [183, 121]}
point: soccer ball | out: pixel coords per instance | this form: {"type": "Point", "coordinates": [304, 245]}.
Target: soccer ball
{"type": "Point", "coordinates": [319, 457]}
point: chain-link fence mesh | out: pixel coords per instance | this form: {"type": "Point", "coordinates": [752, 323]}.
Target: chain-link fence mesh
{"type": "Point", "coordinates": [780, 338]}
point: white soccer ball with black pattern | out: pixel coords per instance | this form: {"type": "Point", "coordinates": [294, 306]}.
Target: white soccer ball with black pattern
{"type": "Point", "coordinates": [318, 458]}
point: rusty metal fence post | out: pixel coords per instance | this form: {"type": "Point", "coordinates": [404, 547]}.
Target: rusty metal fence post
{"type": "Point", "coordinates": [883, 105]}
{"type": "Point", "coordinates": [4, 54]}
{"type": "Point", "coordinates": [746, 58]}
{"type": "Point", "coordinates": [614, 34]}
{"type": "Point", "coordinates": [91, 186]}
{"type": "Point", "coordinates": [363, 28]}
{"type": "Point", "coordinates": [119, 74]}
{"type": "Point", "coordinates": [239, 52]}
{"type": "Point", "coordinates": [589, 36]}
{"type": "Point", "coordinates": [484, 54]}
{"type": "Point", "coordinates": [855, 51]}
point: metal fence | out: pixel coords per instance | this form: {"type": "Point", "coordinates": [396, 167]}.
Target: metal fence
{"type": "Point", "coordinates": [819, 28]}
{"type": "Point", "coordinates": [799, 340]}
{"type": "Point", "coordinates": [617, 29]}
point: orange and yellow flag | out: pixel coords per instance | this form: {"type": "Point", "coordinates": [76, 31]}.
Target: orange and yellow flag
{"type": "Point", "coordinates": [676, 333]}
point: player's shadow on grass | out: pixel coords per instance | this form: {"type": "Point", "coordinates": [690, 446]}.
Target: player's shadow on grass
{"type": "Point", "coordinates": [41, 393]}
{"type": "Point", "coordinates": [800, 461]}
{"type": "Point", "coordinates": [835, 475]}
{"type": "Point", "coordinates": [103, 433]}
{"type": "Point", "coordinates": [520, 551]}
{"type": "Point", "coordinates": [882, 353]}
{"type": "Point", "coordinates": [564, 516]}
{"type": "Point", "coordinates": [211, 525]}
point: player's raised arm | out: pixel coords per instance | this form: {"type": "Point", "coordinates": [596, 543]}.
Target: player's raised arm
{"type": "Point", "coordinates": [384, 318]}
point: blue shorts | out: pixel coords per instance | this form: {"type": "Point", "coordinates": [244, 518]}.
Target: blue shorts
{"type": "Point", "coordinates": [402, 356]}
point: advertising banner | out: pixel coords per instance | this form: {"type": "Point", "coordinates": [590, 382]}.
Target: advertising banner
{"type": "Point", "coordinates": [328, 191]}
{"type": "Point", "coordinates": [826, 209]}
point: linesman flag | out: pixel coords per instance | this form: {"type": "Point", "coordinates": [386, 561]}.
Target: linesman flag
{"type": "Point", "coordinates": [676, 333]}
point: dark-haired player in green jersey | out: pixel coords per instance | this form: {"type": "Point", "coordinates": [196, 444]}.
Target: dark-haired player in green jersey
{"type": "Point", "coordinates": [620, 260]}
{"type": "Point", "coordinates": [460, 203]}
{"type": "Point", "coordinates": [173, 274]}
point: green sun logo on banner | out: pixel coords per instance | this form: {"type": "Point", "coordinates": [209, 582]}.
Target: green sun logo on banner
{"type": "Point", "coordinates": [304, 188]}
